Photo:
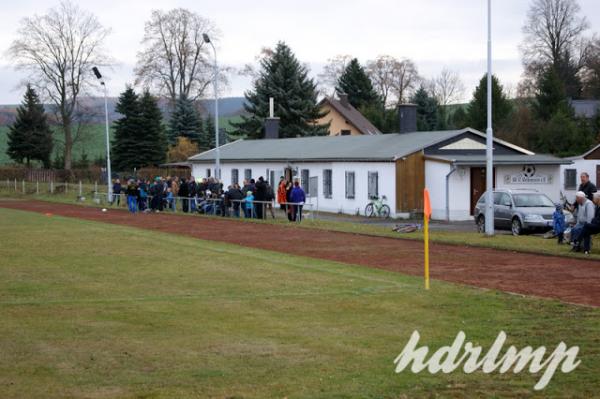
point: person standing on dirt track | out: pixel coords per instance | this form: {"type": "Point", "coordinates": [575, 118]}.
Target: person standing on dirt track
{"type": "Point", "coordinates": [184, 193]}
{"type": "Point", "coordinates": [586, 186]}
{"type": "Point", "coordinates": [132, 192]}
{"type": "Point", "coordinates": [281, 193]}
{"type": "Point", "coordinates": [117, 192]}
{"type": "Point", "coordinates": [298, 197]}
{"type": "Point", "coordinates": [236, 196]}
{"type": "Point", "coordinates": [260, 196]}
{"type": "Point", "coordinates": [288, 199]}
{"type": "Point", "coordinates": [593, 227]}
{"type": "Point", "coordinates": [192, 193]}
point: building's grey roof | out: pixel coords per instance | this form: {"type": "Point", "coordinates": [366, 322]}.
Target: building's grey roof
{"type": "Point", "coordinates": [588, 152]}
{"type": "Point", "coordinates": [185, 164]}
{"type": "Point", "coordinates": [480, 160]}
{"type": "Point", "coordinates": [586, 108]}
{"type": "Point", "coordinates": [384, 147]}
{"type": "Point", "coordinates": [352, 115]}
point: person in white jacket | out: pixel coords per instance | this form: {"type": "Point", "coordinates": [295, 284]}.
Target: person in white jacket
{"type": "Point", "coordinates": [584, 214]}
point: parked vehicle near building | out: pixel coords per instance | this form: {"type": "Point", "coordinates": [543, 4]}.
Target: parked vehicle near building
{"type": "Point", "coordinates": [520, 211]}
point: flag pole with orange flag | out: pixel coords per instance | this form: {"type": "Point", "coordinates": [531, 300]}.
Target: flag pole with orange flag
{"type": "Point", "coordinates": [426, 216]}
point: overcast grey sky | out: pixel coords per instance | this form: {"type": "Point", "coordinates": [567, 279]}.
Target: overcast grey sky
{"type": "Point", "coordinates": [434, 33]}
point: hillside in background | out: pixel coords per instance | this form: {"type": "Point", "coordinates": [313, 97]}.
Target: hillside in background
{"type": "Point", "coordinates": [94, 107]}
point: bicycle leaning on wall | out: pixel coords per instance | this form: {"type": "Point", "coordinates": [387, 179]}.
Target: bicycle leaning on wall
{"type": "Point", "coordinates": [377, 207]}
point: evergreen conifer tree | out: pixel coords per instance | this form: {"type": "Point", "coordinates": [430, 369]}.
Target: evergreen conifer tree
{"type": "Point", "coordinates": [551, 96]}
{"type": "Point", "coordinates": [185, 121]}
{"type": "Point", "coordinates": [125, 148]}
{"type": "Point", "coordinates": [357, 85]}
{"type": "Point", "coordinates": [427, 110]}
{"type": "Point", "coordinates": [151, 132]}
{"type": "Point", "coordinates": [286, 80]}
{"type": "Point", "coordinates": [30, 137]}
{"type": "Point", "coordinates": [477, 110]}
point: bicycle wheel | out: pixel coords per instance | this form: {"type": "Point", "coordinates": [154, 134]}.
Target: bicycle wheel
{"type": "Point", "coordinates": [385, 212]}
{"type": "Point", "coordinates": [369, 210]}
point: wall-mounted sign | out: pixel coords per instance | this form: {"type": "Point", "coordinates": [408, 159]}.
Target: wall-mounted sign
{"type": "Point", "coordinates": [528, 176]}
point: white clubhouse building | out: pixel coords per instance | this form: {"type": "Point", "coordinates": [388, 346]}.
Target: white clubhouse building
{"type": "Point", "coordinates": [346, 171]}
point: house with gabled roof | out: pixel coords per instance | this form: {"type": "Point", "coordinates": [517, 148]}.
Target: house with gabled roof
{"type": "Point", "coordinates": [588, 162]}
{"type": "Point", "coordinates": [343, 118]}
{"type": "Point", "coordinates": [343, 173]}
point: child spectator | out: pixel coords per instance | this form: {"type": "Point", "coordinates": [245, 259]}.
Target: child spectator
{"type": "Point", "coordinates": [558, 218]}
{"type": "Point", "coordinates": [248, 204]}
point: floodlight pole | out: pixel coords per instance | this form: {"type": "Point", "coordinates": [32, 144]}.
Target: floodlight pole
{"type": "Point", "coordinates": [108, 171]}
{"type": "Point", "coordinates": [489, 151]}
{"type": "Point", "coordinates": [216, 89]}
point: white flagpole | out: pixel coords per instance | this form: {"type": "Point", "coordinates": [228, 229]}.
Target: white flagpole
{"type": "Point", "coordinates": [489, 197]}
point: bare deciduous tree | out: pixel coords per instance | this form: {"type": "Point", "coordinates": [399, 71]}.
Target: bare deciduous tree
{"type": "Point", "coordinates": [591, 71]}
{"type": "Point", "coordinates": [332, 71]}
{"type": "Point", "coordinates": [251, 70]}
{"type": "Point", "coordinates": [553, 30]}
{"type": "Point", "coordinates": [175, 60]}
{"type": "Point", "coordinates": [381, 70]}
{"type": "Point", "coordinates": [405, 79]}
{"type": "Point", "coordinates": [447, 87]}
{"type": "Point", "coordinates": [394, 79]}
{"type": "Point", "coordinates": [58, 50]}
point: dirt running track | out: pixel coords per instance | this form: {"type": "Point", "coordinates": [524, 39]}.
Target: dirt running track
{"type": "Point", "coordinates": [570, 280]}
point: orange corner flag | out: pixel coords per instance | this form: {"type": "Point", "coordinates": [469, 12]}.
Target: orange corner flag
{"type": "Point", "coordinates": [426, 204]}
{"type": "Point", "coordinates": [426, 217]}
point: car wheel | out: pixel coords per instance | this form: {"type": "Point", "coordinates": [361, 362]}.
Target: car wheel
{"type": "Point", "coordinates": [516, 227]}
{"type": "Point", "coordinates": [481, 224]}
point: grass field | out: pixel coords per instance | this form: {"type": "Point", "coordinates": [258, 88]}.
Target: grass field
{"type": "Point", "coordinates": [97, 310]}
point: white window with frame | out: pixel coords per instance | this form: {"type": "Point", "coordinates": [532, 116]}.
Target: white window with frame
{"type": "Point", "coordinates": [570, 179]}
{"type": "Point", "coordinates": [373, 185]}
{"type": "Point", "coordinates": [247, 174]}
{"type": "Point", "coordinates": [327, 183]}
{"type": "Point", "coordinates": [235, 176]}
{"type": "Point", "coordinates": [350, 185]}
{"type": "Point", "coordinates": [304, 177]}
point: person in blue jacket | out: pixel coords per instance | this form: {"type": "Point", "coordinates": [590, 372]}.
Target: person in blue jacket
{"type": "Point", "coordinates": [298, 198]}
{"type": "Point", "coordinates": [558, 219]}
{"type": "Point", "coordinates": [248, 204]}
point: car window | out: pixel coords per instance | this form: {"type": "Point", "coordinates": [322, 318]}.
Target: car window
{"type": "Point", "coordinates": [505, 200]}
{"type": "Point", "coordinates": [497, 197]}
{"type": "Point", "coordinates": [532, 200]}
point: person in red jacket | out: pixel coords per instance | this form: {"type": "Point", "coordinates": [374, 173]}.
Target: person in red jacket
{"type": "Point", "coordinates": [282, 193]}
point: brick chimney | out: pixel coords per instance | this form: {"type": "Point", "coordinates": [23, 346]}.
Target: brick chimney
{"type": "Point", "coordinates": [271, 123]}
{"type": "Point", "coordinates": [343, 99]}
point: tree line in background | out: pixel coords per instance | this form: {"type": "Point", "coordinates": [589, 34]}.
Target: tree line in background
{"type": "Point", "coordinates": [59, 48]}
